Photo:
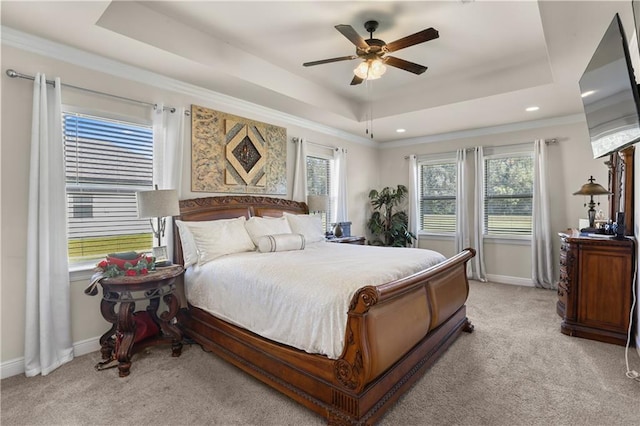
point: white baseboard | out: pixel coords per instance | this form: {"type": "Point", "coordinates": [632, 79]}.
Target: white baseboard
{"type": "Point", "coordinates": [504, 279]}
{"type": "Point", "coordinates": [12, 367]}
{"type": "Point", "coordinates": [15, 366]}
{"type": "Point", "coordinates": [87, 346]}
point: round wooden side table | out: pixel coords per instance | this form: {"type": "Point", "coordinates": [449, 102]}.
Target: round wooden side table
{"type": "Point", "coordinates": [119, 342]}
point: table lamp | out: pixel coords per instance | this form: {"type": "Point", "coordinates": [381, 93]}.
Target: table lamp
{"type": "Point", "coordinates": [319, 204]}
{"type": "Point", "coordinates": [157, 204]}
{"type": "Point", "coordinates": [591, 188]}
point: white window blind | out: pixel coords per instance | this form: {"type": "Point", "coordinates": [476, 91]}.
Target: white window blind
{"type": "Point", "coordinates": [106, 162]}
{"type": "Point", "coordinates": [508, 197]}
{"type": "Point", "coordinates": [438, 188]}
{"type": "Point", "coordinates": [319, 183]}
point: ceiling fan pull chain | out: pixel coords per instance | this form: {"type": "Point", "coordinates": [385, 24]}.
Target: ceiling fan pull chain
{"type": "Point", "coordinates": [371, 109]}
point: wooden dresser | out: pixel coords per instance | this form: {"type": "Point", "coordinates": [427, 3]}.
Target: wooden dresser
{"type": "Point", "coordinates": [594, 291]}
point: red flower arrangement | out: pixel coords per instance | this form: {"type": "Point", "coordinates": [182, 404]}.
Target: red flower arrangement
{"type": "Point", "coordinates": [129, 264]}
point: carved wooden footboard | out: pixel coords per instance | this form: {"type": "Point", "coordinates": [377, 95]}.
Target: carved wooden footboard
{"type": "Point", "coordinates": [395, 331]}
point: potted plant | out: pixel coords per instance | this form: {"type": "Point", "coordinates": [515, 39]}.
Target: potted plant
{"type": "Point", "coordinates": [389, 227]}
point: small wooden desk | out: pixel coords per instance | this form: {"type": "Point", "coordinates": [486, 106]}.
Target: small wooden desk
{"type": "Point", "coordinates": [119, 341]}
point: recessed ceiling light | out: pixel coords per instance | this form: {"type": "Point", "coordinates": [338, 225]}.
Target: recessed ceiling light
{"type": "Point", "coordinates": [587, 93]}
{"type": "Point", "coordinates": [400, 130]}
{"type": "Point", "coordinates": [532, 108]}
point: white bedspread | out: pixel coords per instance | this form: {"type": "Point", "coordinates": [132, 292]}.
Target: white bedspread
{"type": "Point", "coordinates": [299, 298]}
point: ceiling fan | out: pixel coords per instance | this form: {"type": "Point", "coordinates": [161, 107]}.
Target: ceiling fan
{"type": "Point", "coordinates": [374, 51]}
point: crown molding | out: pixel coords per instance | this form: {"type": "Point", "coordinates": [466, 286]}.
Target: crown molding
{"type": "Point", "coordinates": [484, 131]}
{"type": "Point", "coordinates": [47, 48]}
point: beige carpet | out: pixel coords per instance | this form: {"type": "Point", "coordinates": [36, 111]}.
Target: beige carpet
{"type": "Point", "coordinates": [515, 369]}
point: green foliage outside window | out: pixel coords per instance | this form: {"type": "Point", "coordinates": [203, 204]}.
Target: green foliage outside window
{"type": "Point", "coordinates": [508, 194]}
{"type": "Point", "coordinates": [438, 183]}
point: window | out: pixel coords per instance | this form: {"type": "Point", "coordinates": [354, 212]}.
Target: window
{"type": "Point", "coordinates": [508, 195]}
{"type": "Point", "coordinates": [438, 187]}
{"type": "Point", "coordinates": [319, 183]}
{"type": "Point", "coordinates": [106, 162]}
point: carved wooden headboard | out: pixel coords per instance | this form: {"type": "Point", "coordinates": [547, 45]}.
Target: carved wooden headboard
{"type": "Point", "coordinates": [229, 207]}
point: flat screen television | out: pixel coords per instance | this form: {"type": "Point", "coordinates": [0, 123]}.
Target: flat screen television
{"type": "Point", "coordinates": [610, 94]}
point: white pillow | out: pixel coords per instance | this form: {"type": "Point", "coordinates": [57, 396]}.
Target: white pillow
{"type": "Point", "coordinates": [260, 226]}
{"type": "Point", "coordinates": [281, 242]}
{"type": "Point", "coordinates": [217, 238]}
{"type": "Point", "coordinates": [189, 248]}
{"type": "Point", "coordinates": [307, 225]}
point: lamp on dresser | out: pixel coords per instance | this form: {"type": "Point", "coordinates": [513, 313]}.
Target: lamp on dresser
{"type": "Point", "coordinates": [590, 189]}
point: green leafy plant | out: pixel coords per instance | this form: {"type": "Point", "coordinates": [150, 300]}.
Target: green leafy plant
{"type": "Point", "coordinates": [389, 227]}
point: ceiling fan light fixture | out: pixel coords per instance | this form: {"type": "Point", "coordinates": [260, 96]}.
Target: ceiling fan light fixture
{"type": "Point", "coordinates": [370, 70]}
{"type": "Point", "coordinates": [377, 68]}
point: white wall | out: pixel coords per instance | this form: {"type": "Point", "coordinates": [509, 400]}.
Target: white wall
{"type": "Point", "coordinates": [87, 323]}
{"type": "Point", "coordinates": [570, 165]}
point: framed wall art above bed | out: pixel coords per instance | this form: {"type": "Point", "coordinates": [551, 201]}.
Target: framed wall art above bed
{"type": "Point", "coordinates": [236, 155]}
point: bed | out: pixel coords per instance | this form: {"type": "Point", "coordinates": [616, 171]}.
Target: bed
{"type": "Point", "coordinates": [392, 330]}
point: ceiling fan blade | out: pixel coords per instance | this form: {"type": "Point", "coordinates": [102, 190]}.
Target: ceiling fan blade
{"type": "Point", "coordinates": [419, 37]}
{"type": "Point", "coordinates": [404, 65]}
{"type": "Point", "coordinates": [327, 61]}
{"type": "Point", "coordinates": [352, 35]}
{"type": "Point", "coordinates": [356, 80]}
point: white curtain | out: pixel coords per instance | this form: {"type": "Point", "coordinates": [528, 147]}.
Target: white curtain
{"type": "Point", "coordinates": [462, 206]}
{"type": "Point", "coordinates": [299, 192]}
{"type": "Point", "coordinates": [341, 207]}
{"type": "Point", "coordinates": [168, 143]}
{"type": "Point", "coordinates": [414, 196]}
{"type": "Point", "coordinates": [477, 269]}
{"type": "Point", "coordinates": [47, 312]}
{"type": "Point", "coordinates": [168, 146]}
{"type": "Point", "coordinates": [470, 209]}
{"type": "Point", "coordinates": [541, 238]}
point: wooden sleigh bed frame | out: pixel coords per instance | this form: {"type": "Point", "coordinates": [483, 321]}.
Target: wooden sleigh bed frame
{"type": "Point", "coordinates": [395, 331]}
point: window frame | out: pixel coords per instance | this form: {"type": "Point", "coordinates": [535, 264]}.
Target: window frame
{"type": "Point", "coordinates": [497, 153]}
{"type": "Point", "coordinates": [324, 153]}
{"type": "Point", "coordinates": [84, 269]}
{"type": "Point", "coordinates": [446, 158]}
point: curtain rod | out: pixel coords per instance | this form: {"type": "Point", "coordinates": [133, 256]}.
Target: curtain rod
{"type": "Point", "coordinates": [14, 74]}
{"type": "Point", "coordinates": [296, 140]}
{"type": "Point", "coordinates": [553, 141]}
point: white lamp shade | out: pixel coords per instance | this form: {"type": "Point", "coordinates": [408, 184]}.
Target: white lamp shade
{"type": "Point", "coordinates": [157, 203]}
{"type": "Point", "coordinates": [318, 203]}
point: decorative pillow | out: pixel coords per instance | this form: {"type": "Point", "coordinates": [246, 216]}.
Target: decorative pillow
{"type": "Point", "coordinates": [307, 225]}
{"type": "Point", "coordinates": [217, 238]}
{"type": "Point", "coordinates": [281, 242]}
{"type": "Point", "coordinates": [189, 248]}
{"type": "Point", "coordinates": [260, 226]}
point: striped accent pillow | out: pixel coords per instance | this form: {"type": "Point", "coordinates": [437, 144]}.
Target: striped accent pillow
{"type": "Point", "coordinates": [281, 242]}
